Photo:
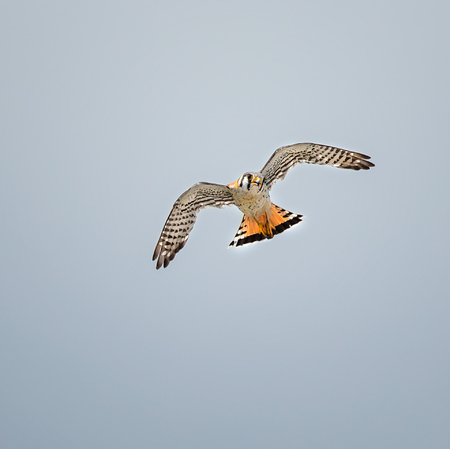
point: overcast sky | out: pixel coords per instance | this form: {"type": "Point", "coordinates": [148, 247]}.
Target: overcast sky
{"type": "Point", "coordinates": [334, 334]}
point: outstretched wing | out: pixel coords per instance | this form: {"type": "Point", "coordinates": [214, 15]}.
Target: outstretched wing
{"type": "Point", "coordinates": [311, 153]}
{"type": "Point", "coordinates": [183, 215]}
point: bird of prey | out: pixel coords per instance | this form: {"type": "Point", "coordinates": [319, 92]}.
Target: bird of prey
{"type": "Point", "coordinates": [250, 193]}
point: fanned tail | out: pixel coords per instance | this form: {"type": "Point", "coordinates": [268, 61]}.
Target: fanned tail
{"type": "Point", "coordinates": [274, 222]}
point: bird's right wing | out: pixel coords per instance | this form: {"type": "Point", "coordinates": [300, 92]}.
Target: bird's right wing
{"type": "Point", "coordinates": [183, 215]}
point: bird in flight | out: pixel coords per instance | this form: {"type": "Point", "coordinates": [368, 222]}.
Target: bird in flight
{"type": "Point", "coordinates": [250, 193]}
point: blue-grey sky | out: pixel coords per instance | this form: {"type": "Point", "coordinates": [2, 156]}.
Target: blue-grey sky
{"type": "Point", "coordinates": [334, 334]}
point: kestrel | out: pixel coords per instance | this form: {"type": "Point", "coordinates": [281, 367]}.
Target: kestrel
{"type": "Point", "coordinates": [250, 193]}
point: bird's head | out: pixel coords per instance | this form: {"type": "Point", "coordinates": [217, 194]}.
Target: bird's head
{"type": "Point", "coordinates": [250, 181]}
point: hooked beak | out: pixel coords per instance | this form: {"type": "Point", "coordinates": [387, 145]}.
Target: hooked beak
{"type": "Point", "coordinates": [257, 180]}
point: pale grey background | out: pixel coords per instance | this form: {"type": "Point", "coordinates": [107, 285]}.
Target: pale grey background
{"type": "Point", "coordinates": [334, 335]}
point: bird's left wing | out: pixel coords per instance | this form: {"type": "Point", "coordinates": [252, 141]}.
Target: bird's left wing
{"type": "Point", "coordinates": [311, 153]}
{"type": "Point", "coordinates": [183, 215]}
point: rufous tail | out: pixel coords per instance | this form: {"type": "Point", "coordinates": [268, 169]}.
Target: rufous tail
{"type": "Point", "coordinates": [274, 222]}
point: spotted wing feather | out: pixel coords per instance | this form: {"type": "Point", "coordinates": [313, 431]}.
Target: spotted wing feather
{"type": "Point", "coordinates": [311, 153]}
{"type": "Point", "coordinates": [183, 215]}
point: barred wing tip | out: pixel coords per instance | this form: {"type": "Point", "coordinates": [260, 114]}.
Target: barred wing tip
{"type": "Point", "coordinates": [360, 162]}
{"type": "Point", "coordinates": [164, 255]}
